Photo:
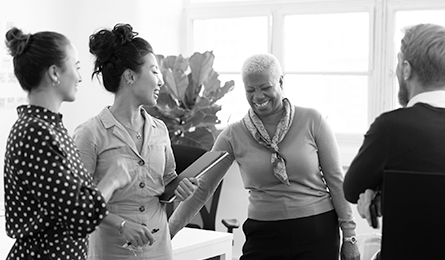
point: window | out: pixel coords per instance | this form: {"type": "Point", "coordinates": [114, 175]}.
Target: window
{"type": "Point", "coordinates": [227, 39]}
{"type": "Point", "coordinates": [338, 56]}
{"type": "Point", "coordinates": [326, 66]}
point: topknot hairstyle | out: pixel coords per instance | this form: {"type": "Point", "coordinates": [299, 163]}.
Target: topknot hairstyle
{"type": "Point", "coordinates": [34, 53]}
{"type": "Point", "coordinates": [117, 50]}
{"type": "Point", "coordinates": [261, 63]}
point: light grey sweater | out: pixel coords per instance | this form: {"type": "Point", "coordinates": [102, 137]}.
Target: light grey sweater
{"type": "Point", "coordinates": [312, 164]}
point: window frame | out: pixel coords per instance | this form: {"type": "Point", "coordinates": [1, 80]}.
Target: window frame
{"type": "Point", "coordinates": [382, 87]}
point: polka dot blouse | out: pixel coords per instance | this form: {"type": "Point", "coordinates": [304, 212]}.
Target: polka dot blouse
{"type": "Point", "coordinates": [50, 204]}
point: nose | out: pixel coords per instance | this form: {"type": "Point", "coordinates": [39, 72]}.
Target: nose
{"type": "Point", "coordinates": [258, 94]}
{"type": "Point", "coordinates": [160, 80]}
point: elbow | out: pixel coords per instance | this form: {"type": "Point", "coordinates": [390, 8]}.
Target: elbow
{"type": "Point", "coordinates": [349, 195]}
{"type": "Point", "coordinates": [81, 230]}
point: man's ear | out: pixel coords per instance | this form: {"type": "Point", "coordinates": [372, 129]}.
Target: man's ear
{"type": "Point", "coordinates": [406, 70]}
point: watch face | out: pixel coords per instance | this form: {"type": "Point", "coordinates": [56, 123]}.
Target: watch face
{"type": "Point", "coordinates": [351, 239]}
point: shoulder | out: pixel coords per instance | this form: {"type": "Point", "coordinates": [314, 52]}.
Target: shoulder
{"type": "Point", "coordinates": [91, 131]}
{"type": "Point", "coordinates": [157, 122]}
{"type": "Point", "coordinates": [36, 128]}
{"type": "Point", "coordinates": [395, 117]}
{"type": "Point", "coordinates": [233, 129]}
{"type": "Point", "coordinates": [306, 117]}
{"type": "Point", "coordinates": [307, 113]}
{"type": "Point", "coordinates": [92, 125]}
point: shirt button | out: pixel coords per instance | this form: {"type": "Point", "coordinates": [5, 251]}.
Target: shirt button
{"type": "Point", "coordinates": [142, 185]}
{"type": "Point", "coordinates": [141, 162]}
{"type": "Point", "coordinates": [141, 208]}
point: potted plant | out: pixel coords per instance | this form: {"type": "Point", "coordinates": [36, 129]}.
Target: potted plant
{"type": "Point", "coordinates": [187, 101]}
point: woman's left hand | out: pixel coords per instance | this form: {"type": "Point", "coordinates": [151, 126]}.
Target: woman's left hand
{"type": "Point", "coordinates": [349, 251]}
{"type": "Point", "coordinates": [186, 188]}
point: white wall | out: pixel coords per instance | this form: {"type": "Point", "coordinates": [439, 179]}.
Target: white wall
{"type": "Point", "coordinates": [158, 21]}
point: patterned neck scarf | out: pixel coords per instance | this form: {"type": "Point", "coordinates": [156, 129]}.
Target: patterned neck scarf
{"type": "Point", "coordinates": [259, 133]}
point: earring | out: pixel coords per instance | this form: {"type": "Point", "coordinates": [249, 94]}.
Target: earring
{"type": "Point", "coordinates": [129, 82]}
{"type": "Point", "coordinates": [56, 82]}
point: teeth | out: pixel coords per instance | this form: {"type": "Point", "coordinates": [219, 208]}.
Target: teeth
{"type": "Point", "coordinates": [262, 104]}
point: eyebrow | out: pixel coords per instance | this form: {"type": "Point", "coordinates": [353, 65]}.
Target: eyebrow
{"type": "Point", "coordinates": [260, 86]}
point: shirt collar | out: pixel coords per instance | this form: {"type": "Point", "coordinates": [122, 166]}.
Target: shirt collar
{"type": "Point", "coordinates": [434, 98]}
{"type": "Point", "coordinates": [41, 113]}
{"type": "Point", "coordinates": [109, 120]}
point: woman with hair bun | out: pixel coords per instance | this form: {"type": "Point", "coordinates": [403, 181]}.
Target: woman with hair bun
{"type": "Point", "coordinates": [136, 227]}
{"type": "Point", "coordinates": [50, 202]}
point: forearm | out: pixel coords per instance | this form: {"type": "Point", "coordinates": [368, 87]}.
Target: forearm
{"type": "Point", "coordinates": [189, 208]}
{"type": "Point", "coordinates": [107, 187]}
{"type": "Point", "coordinates": [113, 220]}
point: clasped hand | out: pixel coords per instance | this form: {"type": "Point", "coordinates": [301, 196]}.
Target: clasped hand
{"type": "Point", "coordinates": [186, 188]}
{"type": "Point", "coordinates": [363, 203]}
{"type": "Point", "coordinates": [137, 234]}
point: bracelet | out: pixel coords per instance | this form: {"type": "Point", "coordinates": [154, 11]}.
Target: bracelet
{"type": "Point", "coordinates": [121, 226]}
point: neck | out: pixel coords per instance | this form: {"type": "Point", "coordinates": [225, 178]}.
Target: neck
{"type": "Point", "coordinates": [44, 97]}
{"type": "Point", "coordinates": [127, 112]}
{"type": "Point", "coordinates": [417, 88]}
{"type": "Point", "coordinates": [272, 119]}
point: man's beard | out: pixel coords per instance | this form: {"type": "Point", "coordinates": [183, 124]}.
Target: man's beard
{"type": "Point", "coordinates": [403, 93]}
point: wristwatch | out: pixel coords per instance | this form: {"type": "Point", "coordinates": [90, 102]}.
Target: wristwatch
{"type": "Point", "coordinates": [351, 239]}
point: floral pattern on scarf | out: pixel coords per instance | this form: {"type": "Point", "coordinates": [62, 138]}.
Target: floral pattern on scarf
{"type": "Point", "coordinates": [259, 133]}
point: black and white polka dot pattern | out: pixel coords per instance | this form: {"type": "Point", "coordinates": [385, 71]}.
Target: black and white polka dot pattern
{"type": "Point", "coordinates": [50, 204]}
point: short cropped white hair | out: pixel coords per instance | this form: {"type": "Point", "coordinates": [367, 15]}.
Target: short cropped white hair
{"type": "Point", "coordinates": [261, 63]}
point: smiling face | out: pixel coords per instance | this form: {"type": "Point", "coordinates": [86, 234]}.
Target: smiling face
{"type": "Point", "coordinates": [69, 76]}
{"type": "Point", "coordinates": [264, 93]}
{"type": "Point", "coordinates": [148, 82]}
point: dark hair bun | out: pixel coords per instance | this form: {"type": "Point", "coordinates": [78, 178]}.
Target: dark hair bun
{"type": "Point", "coordinates": [104, 43]}
{"type": "Point", "coordinates": [124, 33]}
{"type": "Point", "coordinates": [16, 41]}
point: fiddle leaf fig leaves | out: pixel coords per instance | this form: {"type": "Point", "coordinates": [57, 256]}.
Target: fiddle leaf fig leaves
{"type": "Point", "coordinates": [187, 101]}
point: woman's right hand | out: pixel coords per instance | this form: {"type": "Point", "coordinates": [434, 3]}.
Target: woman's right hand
{"type": "Point", "coordinates": [117, 177]}
{"type": "Point", "coordinates": [137, 234]}
{"type": "Point", "coordinates": [118, 174]}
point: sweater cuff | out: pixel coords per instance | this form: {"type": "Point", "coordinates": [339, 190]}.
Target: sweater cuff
{"type": "Point", "coordinates": [347, 224]}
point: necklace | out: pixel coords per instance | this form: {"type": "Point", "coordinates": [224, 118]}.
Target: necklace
{"type": "Point", "coordinates": [138, 133]}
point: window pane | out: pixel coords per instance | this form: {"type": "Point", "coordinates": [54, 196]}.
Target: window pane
{"type": "Point", "coordinates": [217, 1]}
{"type": "Point", "coordinates": [327, 42]}
{"type": "Point", "coordinates": [231, 39]}
{"type": "Point", "coordinates": [234, 103]}
{"type": "Point", "coordinates": [342, 99]}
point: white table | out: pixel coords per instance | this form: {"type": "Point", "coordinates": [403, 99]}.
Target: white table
{"type": "Point", "coordinates": [188, 244]}
{"type": "Point", "coordinates": [196, 244]}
